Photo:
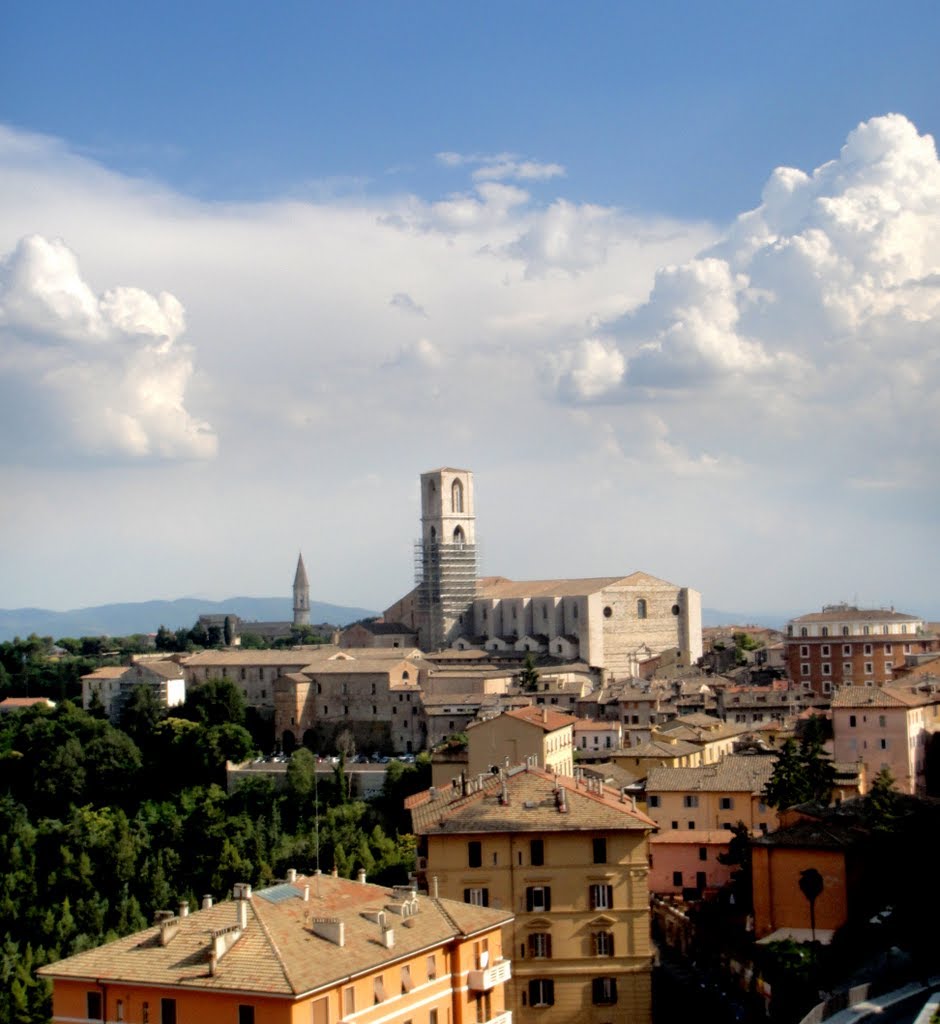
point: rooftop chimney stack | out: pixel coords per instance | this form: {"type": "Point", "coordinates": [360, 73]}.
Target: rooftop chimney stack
{"type": "Point", "coordinates": [207, 901]}
{"type": "Point", "coordinates": [291, 875]}
{"type": "Point", "coordinates": [184, 908]}
{"type": "Point", "coordinates": [362, 876]}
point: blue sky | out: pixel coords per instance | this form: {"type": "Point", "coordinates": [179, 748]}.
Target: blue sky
{"type": "Point", "coordinates": [263, 266]}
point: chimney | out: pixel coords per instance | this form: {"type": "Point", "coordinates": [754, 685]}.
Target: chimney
{"type": "Point", "coordinates": [306, 894]}
{"type": "Point", "coordinates": [184, 908]}
{"type": "Point", "coordinates": [434, 887]}
{"type": "Point", "coordinates": [169, 926]}
{"type": "Point", "coordinates": [335, 871]}
{"type": "Point", "coordinates": [387, 937]}
{"type": "Point", "coordinates": [361, 876]}
{"type": "Point", "coordinates": [207, 901]}
{"type": "Point", "coordinates": [291, 875]}
{"type": "Point", "coordinates": [331, 929]}
{"type": "Point", "coordinates": [545, 715]}
{"type": "Point", "coordinates": [242, 893]}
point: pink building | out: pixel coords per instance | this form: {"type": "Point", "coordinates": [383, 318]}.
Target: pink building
{"type": "Point", "coordinates": [888, 727]}
{"type": "Point", "coordinates": [688, 860]}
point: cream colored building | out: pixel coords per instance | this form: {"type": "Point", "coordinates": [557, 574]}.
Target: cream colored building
{"type": "Point", "coordinates": [537, 732]}
{"type": "Point", "coordinates": [715, 796]}
{"type": "Point", "coordinates": [570, 858]}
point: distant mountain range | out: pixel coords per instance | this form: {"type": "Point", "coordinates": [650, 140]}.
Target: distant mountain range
{"type": "Point", "coordinates": [148, 616]}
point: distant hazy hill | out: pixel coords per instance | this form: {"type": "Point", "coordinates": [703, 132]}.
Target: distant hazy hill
{"type": "Point", "coordinates": [714, 617]}
{"type": "Point", "coordinates": [148, 616]}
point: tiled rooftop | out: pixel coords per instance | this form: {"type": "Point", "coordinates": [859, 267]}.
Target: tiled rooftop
{"type": "Point", "coordinates": [734, 773]}
{"type": "Point", "coordinates": [533, 806]}
{"type": "Point", "coordinates": [278, 952]}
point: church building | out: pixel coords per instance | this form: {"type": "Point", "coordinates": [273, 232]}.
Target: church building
{"type": "Point", "coordinates": [610, 622]}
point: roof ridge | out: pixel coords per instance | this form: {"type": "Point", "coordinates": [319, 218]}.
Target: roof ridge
{"type": "Point", "coordinates": [278, 956]}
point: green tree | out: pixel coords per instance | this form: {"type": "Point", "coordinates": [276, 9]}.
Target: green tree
{"type": "Point", "coordinates": [214, 702]}
{"type": "Point", "coordinates": [229, 631]}
{"type": "Point", "coordinates": [528, 678]}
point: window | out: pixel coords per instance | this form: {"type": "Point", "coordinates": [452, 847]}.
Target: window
{"type": "Point", "coordinates": [827, 669]}
{"type": "Point", "coordinates": [456, 496]}
{"type": "Point", "coordinates": [804, 631]}
{"type": "Point", "coordinates": [541, 992]}
{"type": "Point", "coordinates": [406, 983]}
{"type": "Point", "coordinates": [869, 668]}
{"type": "Point", "coordinates": [825, 631]}
{"type": "Point", "coordinates": [882, 721]}
{"type": "Point", "coordinates": [432, 967]}
{"type": "Point", "coordinates": [726, 803]}
{"type": "Point", "coordinates": [475, 854]}
{"type": "Point", "coordinates": [846, 668]}
{"type": "Point", "coordinates": [852, 721]}
{"type": "Point", "coordinates": [432, 1016]}
{"type": "Point", "coordinates": [602, 897]}
{"type": "Point", "coordinates": [603, 943]}
{"type": "Point", "coordinates": [677, 878]}
{"type": "Point", "coordinates": [600, 850]}
{"type": "Point", "coordinates": [690, 801]}
{"type": "Point", "coordinates": [246, 1014]}
{"type": "Point", "coordinates": [608, 611]}
{"type": "Point", "coordinates": [378, 989]}
{"type": "Point", "coordinates": [846, 650]}
{"type": "Point", "coordinates": [703, 853]}
{"type": "Point", "coordinates": [888, 649]}
{"type": "Point", "coordinates": [675, 824]}
{"type": "Point", "coordinates": [349, 1001]}
{"type": "Point", "coordinates": [652, 801]}
{"type": "Point", "coordinates": [804, 670]}
{"type": "Point", "coordinates": [145, 1013]}
{"type": "Point", "coordinates": [641, 608]}
{"type": "Point", "coordinates": [866, 630]}
{"type": "Point", "coordinates": [540, 945]}
{"type": "Point", "coordinates": [889, 665]}
{"type": "Point", "coordinates": [479, 897]}
{"type": "Point", "coordinates": [538, 899]}
{"type": "Point", "coordinates": [604, 991]}
{"type": "Point", "coordinates": [825, 650]}
{"type": "Point", "coordinates": [167, 1011]}
{"type": "Point", "coordinates": [691, 826]}
{"type": "Point", "coordinates": [537, 852]}
{"type": "Point", "coordinates": [884, 744]}
{"type": "Point", "coordinates": [93, 1005]}
{"type": "Point", "coordinates": [868, 649]}
{"type": "Point", "coordinates": [119, 1010]}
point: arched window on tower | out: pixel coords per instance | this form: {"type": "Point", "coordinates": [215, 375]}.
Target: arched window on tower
{"type": "Point", "coordinates": [641, 608]}
{"type": "Point", "coordinates": [459, 537]}
{"type": "Point", "coordinates": [433, 534]}
{"type": "Point", "coordinates": [456, 496]}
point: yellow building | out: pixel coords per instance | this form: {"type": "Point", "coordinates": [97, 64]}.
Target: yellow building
{"type": "Point", "coordinates": [569, 857]}
{"type": "Point", "coordinates": [537, 732]}
{"type": "Point", "coordinates": [316, 950]}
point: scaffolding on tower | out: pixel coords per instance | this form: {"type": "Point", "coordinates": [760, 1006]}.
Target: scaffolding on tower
{"type": "Point", "coordinates": [446, 578]}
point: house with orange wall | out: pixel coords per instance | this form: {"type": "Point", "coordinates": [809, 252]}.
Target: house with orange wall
{"type": "Point", "coordinates": [311, 950]}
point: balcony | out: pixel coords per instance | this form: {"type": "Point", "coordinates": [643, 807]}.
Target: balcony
{"type": "Point", "coordinates": [489, 977]}
{"type": "Point", "coordinates": [501, 1018]}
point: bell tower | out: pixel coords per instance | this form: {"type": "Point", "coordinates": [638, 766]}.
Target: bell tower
{"type": "Point", "coordinates": [301, 594]}
{"type": "Point", "coordinates": [446, 556]}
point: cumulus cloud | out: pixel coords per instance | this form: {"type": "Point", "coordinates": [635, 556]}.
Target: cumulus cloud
{"type": "Point", "coordinates": [418, 354]}
{"type": "Point", "coordinates": [92, 374]}
{"type": "Point", "coordinates": [834, 277]}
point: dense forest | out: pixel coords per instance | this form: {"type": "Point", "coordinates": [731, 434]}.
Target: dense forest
{"type": "Point", "coordinates": [102, 825]}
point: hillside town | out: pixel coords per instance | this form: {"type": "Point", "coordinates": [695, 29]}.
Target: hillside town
{"type": "Point", "coordinates": [612, 805]}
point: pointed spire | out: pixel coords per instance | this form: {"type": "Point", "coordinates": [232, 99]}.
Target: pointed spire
{"type": "Point", "coordinates": [300, 577]}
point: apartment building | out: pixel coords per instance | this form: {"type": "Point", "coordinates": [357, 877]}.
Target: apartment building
{"type": "Point", "coordinates": [316, 949]}
{"type": "Point", "coordinates": [847, 646]}
{"type": "Point", "coordinates": [539, 733]}
{"type": "Point", "coordinates": [570, 858]}
{"type": "Point", "coordinates": [888, 727]}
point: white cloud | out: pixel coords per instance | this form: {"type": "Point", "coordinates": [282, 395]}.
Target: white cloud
{"type": "Point", "coordinates": [92, 375]}
{"type": "Point", "coordinates": [502, 166]}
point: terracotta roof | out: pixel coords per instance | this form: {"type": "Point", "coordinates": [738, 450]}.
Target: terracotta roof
{"type": "Point", "coordinates": [543, 716]}
{"type": "Point", "coordinates": [734, 773]}
{"type": "Point", "coordinates": [887, 696]}
{"type": "Point", "coordinates": [278, 952]}
{"type": "Point", "coordinates": [849, 614]}
{"type": "Point", "coordinates": [247, 658]}
{"type": "Point", "coordinates": [107, 672]}
{"type": "Point", "coordinates": [14, 703]}
{"type": "Point", "coordinates": [532, 807]}
{"type": "Point", "coordinates": [662, 749]}
{"type": "Point", "coordinates": [497, 587]}
{"type": "Point", "coordinates": [590, 725]}
{"type": "Point", "coordinates": [815, 835]}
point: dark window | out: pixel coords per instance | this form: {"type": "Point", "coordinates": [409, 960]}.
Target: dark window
{"type": "Point", "coordinates": [538, 898]}
{"type": "Point", "coordinates": [475, 853]}
{"type": "Point", "coordinates": [641, 608]}
{"type": "Point", "coordinates": [726, 803]}
{"type": "Point", "coordinates": [677, 878]}
{"type": "Point", "coordinates": [246, 1014]}
{"type": "Point", "coordinates": [540, 945]}
{"type": "Point", "coordinates": [167, 1011]}
{"type": "Point", "coordinates": [478, 897]}
{"type": "Point", "coordinates": [603, 943]}
{"type": "Point", "coordinates": [602, 897]}
{"type": "Point", "coordinates": [702, 853]}
{"type": "Point", "coordinates": [541, 992]}
{"type": "Point", "coordinates": [537, 852]}
{"type": "Point", "coordinates": [93, 1005]}
{"type": "Point", "coordinates": [652, 801]}
{"type": "Point", "coordinates": [600, 851]}
{"type": "Point", "coordinates": [604, 991]}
